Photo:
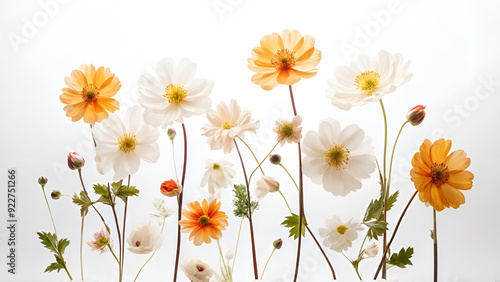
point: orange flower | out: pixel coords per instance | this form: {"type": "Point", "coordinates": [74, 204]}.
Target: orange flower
{"type": "Point", "coordinates": [439, 176]}
{"type": "Point", "coordinates": [89, 94]}
{"type": "Point", "coordinates": [170, 188]}
{"type": "Point", "coordinates": [203, 221]}
{"type": "Point", "coordinates": [283, 59]}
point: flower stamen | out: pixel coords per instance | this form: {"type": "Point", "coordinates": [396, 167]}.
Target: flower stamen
{"type": "Point", "coordinates": [228, 124]}
{"type": "Point", "coordinates": [216, 166]}
{"type": "Point", "coordinates": [286, 130]}
{"type": "Point", "coordinates": [342, 229]}
{"type": "Point", "coordinates": [440, 174]}
{"type": "Point", "coordinates": [127, 142]}
{"type": "Point", "coordinates": [90, 93]}
{"type": "Point", "coordinates": [204, 220]}
{"type": "Point", "coordinates": [175, 93]}
{"type": "Point", "coordinates": [283, 59]}
{"type": "Point", "coordinates": [367, 82]}
{"type": "Point", "coordinates": [337, 156]}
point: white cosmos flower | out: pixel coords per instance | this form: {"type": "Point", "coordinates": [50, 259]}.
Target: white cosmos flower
{"type": "Point", "coordinates": [367, 79]}
{"type": "Point", "coordinates": [197, 271]}
{"type": "Point", "coordinates": [122, 144]}
{"type": "Point", "coordinates": [339, 236]}
{"type": "Point", "coordinates": [173, 93]}
{"type": "Point", "coordinates": [218, 174]}
{"type": "Point", "coordinates": [266, 184]}
{"type": "Point", "coordinates": [144, 238]}
{"type": "Point", "coordinates": [226, 123]}
{"type": "Point", "coordinates": [338, 158]}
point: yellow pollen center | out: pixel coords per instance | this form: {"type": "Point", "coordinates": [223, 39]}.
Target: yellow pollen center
{"type": "Point", "coordinates": [440, 174]}
{"type": "Point", "coordinates": [283, 59]}
{"type": "Point", "coordinates": [337, 156]}
{"type": "Point", "coordinates": [228, 124]}
{"type": "Point", "coordinates": [90, 93]}
{"type": "Point", "coordinates": [367, 82]}
{"type": "Point", "coordinates": [127, 142]}
{"type": "Point", "coordinates": [175, 94]}
{"type": "Point", "coordinates": [216, 166]}
{"type": "Point", "coordinates": [103, 241]}
{"type": "Point", "coordinates": [286, 130]}
{"type": "Point", "coordinates": [204, 220]}
{"type": "Point", "coordinates": [342, 229]}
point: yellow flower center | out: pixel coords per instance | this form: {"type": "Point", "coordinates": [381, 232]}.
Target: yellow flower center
{"type": "Point", "coordinates": [216, 166]}
{"type": "Point", "coordinates": [228, 124]}
{"type": "Point", "coordinates": [103, 241]}
{"type": "Point", "coordinates": [283, 59]}
{"type": "Point", "coordinates": [90, 93]}
{"type": "Point", "coordinates": [127, 142]}
{"type": "Point", "coordinates": [286, 130]}
{"type": "Point", "coordinates": [440, 174]}
{"type": "Point", "coordinates": [342, 229]}
{"type": "Point", "coordinates": [367, 82]}
{"type": "Point", "coordinates": [204, 220]}
{"type": "Point", "coordinates": [337, 156]}
{"type": "Point", "coordinates": [175, 94]}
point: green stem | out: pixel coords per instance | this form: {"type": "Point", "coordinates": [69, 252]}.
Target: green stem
{"type": "Point", "coordinates": [255, 157]}
{"type": "Point", "coordinates": [260, 163]}
{"type": "Point", "coordinates": [237, 243]}
{"type": "Point", "coordinates": [124, 222]}
{"type": "Point", "coordinates": [113, 253]}
{"type": "Point", "coordinates": [291, 177]}
{"type": "Point", "coordinates": [81, 247]}
{"type": "Point", "coordinates": [119, 234]}
{"type": "Point", "coordinates": [262, 275]}
{"type": "Point", "coordinates": [48, 207]}
{"type": "Point", "coordinates": [173, 157]}
{"type": "Point", "coordinates": [67, 272]}
{"type": "Point", "coordinates": [384, 187]}
{"type": "Point", "coordinates": [392, 157]}
{"type": "Point", "coordinates": [161, 232]}
{"type": "Point", "coordinates": [286, 202]}
{"type": "Point", "coordinates": [222, 257]}
{"type": "Point", "coordinates": [435, 247]}
{"type": "Point", "coordinates": [92, 204]}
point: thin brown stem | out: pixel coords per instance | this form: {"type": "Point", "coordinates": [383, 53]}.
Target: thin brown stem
{"type": "Point", "coordinates": [85, 190]}
{"type": "Point", "coordinates": [119, 234]}
{"type": "Point", "coordinates": [123, 227]}
{"type": "Point", "coordinates": [393, 235]}
{"type": "Point", "coordinates": [434, 234]}
{"type": "Point", "coordinates": [180, 196]}
{"type": "Point", "coordinates": [92, 133]}
{"type": "Point", "coordinates": [322, 251]}
{"type": "Point", "coordinates": [254, 255]}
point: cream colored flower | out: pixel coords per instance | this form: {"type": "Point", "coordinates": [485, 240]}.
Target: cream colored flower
{"type": "Point", "coordinates": [197, 271]}
{"type": "Point", "coordinates": [372, 250]}
{"type": "Point", "coordinates": [144, 238]}
{"type": "Point", "coordinates": [287, 131]}
{"type": "Point", "coordinates": [266, 184]}
{"type": "Point", "coordinates": [218, 174]}
{"type": "Point", "coordinates": [226, 123]}
{"type": "Point", "coordinates": [367, 79]}
{"type": "Point", "coordinates": [339, 236]}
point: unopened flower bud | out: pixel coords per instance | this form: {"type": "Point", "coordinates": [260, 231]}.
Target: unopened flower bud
{"type": "Point", "coordinates": [372, 251]}
{"type": "Point", "coordinates": [55, 194]}
{"type": "Point", "coordinates": [42, 180]}
{"type": "Point", "coordinates": [277, 244]}
{"type": "Point", "coordinates": [229, 255]}
{"type": "Point", "coordinates": [275, 159]}
{"type": "Point", "coordinates": [75, 161]}
{"type": "Point", "coordinates": [171, 133]}
{"type": "Point", "coordinates": [416, 115]}
{"type": "Point", "coordinates": [170, 188]}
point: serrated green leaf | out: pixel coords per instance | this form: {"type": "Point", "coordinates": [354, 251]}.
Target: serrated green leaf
{"type": "Point", "coordinates": [61, 246]}
{"type": "Point", "coordinates": [54, 266]}
{"type": "Point", "coordinates": [101, 189]}
{"type": "Point", "coordinates": [401, 259]}
{"type": "Point", "coordinates": [83, 201]}
{"type": "Point", "coordinates": [375, 228]}
{"type": "Point", "coordinates": [375, 209]}
{"type": "Point", "coordinates": [392, 200]}
{"type": "Point", "coordinates": [432, 234]}
{"type": "Point", "coordinates": [292, 222]}
{"type": "Point", "coordinates": [240, 202]}
{"type": "Point", "coordinates": [122, 191]}
{"type": "Point", "coordinates": [48, 240]}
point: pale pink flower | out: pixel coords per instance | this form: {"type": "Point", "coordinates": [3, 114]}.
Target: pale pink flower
{"type": "Point", "coordinates": [287, 131]}
{"type": "Point", "coordinates": [100, 241]}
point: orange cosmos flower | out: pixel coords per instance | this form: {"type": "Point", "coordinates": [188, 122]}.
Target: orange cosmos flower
{"type": "Point", "coordinates": [439, 176]}
{"type": "Point", "coordinates": [203, 221]}
{"type": "Point", "coordinates": [283, 59]}
{"type": "Point", "coordinates": [89, 94]}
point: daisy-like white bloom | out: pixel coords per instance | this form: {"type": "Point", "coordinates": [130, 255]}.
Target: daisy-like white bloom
{"type": "Point", "coordinates": [173, 93]}
{"type": "Point", "coordinates": [122, 144]}
{"type": "Point", "coordinates": [367, 79]}
{"type": "Point", "coordinates": [100, 241]}
{"type": "Point", "coordinates": [266, 184]}
{"type": "Point", "coordinates": [226, 123]}
{"type": "Point", "coordinates": [287, 131]}
{"type": "Point", "coordinates": [160, 209]}
{"type": "Point", "coordinates": [338, 158]}
{"type": "Point", "coordinates": [339, 236]}
{"type": "Point", "coordinates": [218, 174]}
{"type": "Point", "coordinates": [197, 271]}
{"type": "Point", "coordinates": [144, 238]}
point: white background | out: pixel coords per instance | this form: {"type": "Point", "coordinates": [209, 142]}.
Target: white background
{"type": "Point", "coordinates": [453, 46]}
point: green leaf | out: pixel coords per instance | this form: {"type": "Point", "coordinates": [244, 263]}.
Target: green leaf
{"type": "Point", "coordinates": [48, 240]}
{"type": "Point", "coordinates": [122, 191]}
{"type": "Point", "coordinates": [83, 201]}
{"type": "Point", "coordinates": [375, 209]}
{"type": "Point", "coordinates": [401, 259]}
{"type": "Point", "coordinates": [61, 246]}
{"type": "Point", "coordinates": [292, 222]}
{"type": "Point", "coordinates": [54, 266]}
{"type": "Point", "coordinates": [392, 200]}
{"type": "Point", "coordinates": [240, 202]}
{"type": "Point", "coordinates": [376, 228]}
{"type": "Point", "coordinates": [101, 189]}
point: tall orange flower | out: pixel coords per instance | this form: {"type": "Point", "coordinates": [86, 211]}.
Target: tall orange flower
{"type": "Point", "coordinates": [203, 221]}
{"type": "Point", "coordinates": [439, 176]}
{"type": "Point", "coordinates": [283, 59]}
{"type": "Point", "coordinates": [89, 94]}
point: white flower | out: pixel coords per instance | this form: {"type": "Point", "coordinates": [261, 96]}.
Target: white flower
{"type": "Point", "coordinates": [197, 271]}
{"type": "Point", "coordinates": [144, 238]}
{"type": "Point", "coordinates": [339, 236]}
{"type": "Point", "coordinates": [218, 174]}
{"type": "Point", "coordinates": [122, 145]}
{"type": "Point", "coordinates": [160, 209]}
{"type": "Point", "coordinates": [372, 250]}
{"type": "Point", "coordinates": [367, 79]}
{"type": "Point", "coordinates": [287, 131]}
{"type": "Point", "coordinates": [173, 93]}
{"type": "Point", "coordinates": [266, 184]}
{"type": "Point", "coordinates": [226, 124]}
{"type": "Point", "coordinates": [338, 158]}
{"type": "Point", "coordinates": [229, 254]}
